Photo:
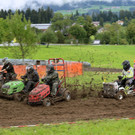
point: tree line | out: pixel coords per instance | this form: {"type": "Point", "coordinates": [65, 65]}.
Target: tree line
{"type": "Point", "coordinates": [45, 15]}
{"type": "Point", "coordinates": [111, 17]}
{"type": "Point", "coordinates": [36, 16]}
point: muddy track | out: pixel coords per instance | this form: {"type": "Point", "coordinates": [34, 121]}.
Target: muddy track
{"type": "Point", "coordinates": [102, 69]}
{"type": "Point", "coordinates": [15, 113]}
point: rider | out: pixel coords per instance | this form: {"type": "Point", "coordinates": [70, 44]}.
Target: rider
{"type": "Point", "coordinates": [51, 79]}
{"type": "Point", "coordinates": [8, 67]}
{"type": "Point", "coordinates": [127, 73]}
{"type": "Point", "coordinates": [32, 78]}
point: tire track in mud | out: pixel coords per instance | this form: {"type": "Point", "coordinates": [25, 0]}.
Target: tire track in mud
{"type": "Point", "coordinates": [16, 113]}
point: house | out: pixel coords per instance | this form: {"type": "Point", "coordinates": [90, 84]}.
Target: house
{"type": "Point", "coordinates": [75, 24]}
{"type": "Point", "coordinates": [120, 22]}
{"type": "Point", "coordinates": [96, 23]}
{"type": "Point", "coordinates": [42, 27]}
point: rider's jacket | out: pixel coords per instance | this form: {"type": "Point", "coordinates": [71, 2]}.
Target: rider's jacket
{"type": "Point", "coordinates": [9, 68]}
{"type": "Point", "coordinates": [32, 76]}
{"type": "Point", "coordinates": [128, 74]}
{"type": "Point", "coordinates": [51, 78]}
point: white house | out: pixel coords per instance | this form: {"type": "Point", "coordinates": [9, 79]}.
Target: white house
{"type": "Point", "coordinates": [42, 27]}
{"type": "Point", "coordinates": [96, 23]}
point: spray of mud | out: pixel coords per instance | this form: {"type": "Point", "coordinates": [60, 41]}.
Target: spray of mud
{"type": "Point", "coordinates": [83, 91]}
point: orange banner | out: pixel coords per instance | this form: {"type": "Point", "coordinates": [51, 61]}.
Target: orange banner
{"type": "Point", "coordinates": [72, 69]}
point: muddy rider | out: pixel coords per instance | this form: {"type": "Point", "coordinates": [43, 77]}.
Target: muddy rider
{"type": "Point", "coordinates": [127, 73]}
{"type": "Point", "coordinates": [51, 79]}
{"type": "Point", "coordinates": [31, 78]}
{"type": "Point", "coordinates": [8, 67]}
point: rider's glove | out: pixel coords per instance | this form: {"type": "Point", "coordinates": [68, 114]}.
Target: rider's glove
{"type": "Point", "coordinates": [120, 77]}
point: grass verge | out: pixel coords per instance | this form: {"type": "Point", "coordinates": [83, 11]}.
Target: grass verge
{"type": "Point", "coordinates": [95, 127]}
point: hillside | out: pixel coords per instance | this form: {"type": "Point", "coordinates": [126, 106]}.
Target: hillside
{"type": "Point", "coordinates": [90, 6]}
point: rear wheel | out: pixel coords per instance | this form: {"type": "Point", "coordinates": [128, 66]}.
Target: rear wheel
{"type": "Point", "coordinates": [119, 95]}
{"type": "Point", "coordinates": [46, 102]}
{"type": "Point", "coordinates": [18, 97]}
{"type": "Point", "coordinates": [67, 95]}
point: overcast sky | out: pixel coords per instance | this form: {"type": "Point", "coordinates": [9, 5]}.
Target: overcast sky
{"type": "Point", "coordinates": [20, 4]}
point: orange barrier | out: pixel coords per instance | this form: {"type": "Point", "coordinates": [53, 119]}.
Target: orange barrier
{"type": "Point", "coordinates": [72, 69]}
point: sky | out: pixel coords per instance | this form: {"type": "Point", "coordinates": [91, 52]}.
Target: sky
{"type": "Point", "coordinates": [20, 4]}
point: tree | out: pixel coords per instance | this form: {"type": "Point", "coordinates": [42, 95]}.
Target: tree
{"type": "Point", "coordinates": [78, 32]}
{"type": "Point", "coordinates": [104, 37]}
{"type": "Point", "coordinates": [49, 37]}
{"type": "Point", "coordinates": [28, 13]}
{"type": "Point", "coordinates": [89, 27]}
{"type": "Point", "coordinates": [57, 17]}
{"type": "Point", "coordinates": [80, 20]}
{"type": "Point", "coordinates": [131, 32]}
{"type": "Point", "coordinates": [61, 23]}
{"type": "Point", "coordinates": [20, 28]}
{"type": "Point", "coordinates": [60, 37]}
{"type": "Point", "coordinates": [5, 35]}
{"type": "Point", "coordinates": [101, 21]}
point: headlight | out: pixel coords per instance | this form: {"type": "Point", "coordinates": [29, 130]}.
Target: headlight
{"type": "Point", "coordinates": [5, 86]}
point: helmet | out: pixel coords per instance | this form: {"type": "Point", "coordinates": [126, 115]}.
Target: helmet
{"type": "Point", "coordinates": [29, 68]}
{"type": "Point", "coordinates": [5, 61]}
{"type": "Point", "coordinates": [126, 65]}
{"type": "Point", "coordinates": [49, 68]}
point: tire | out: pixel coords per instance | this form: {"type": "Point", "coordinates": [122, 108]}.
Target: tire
{"type": "Point", "coordinates": [119, 95]}
{"type": "Point", "coordinates": [46, 102]}
{"type": "Point", "coordinates": [67, 95]}
{"type": "Point", "coordinates": [101, 94]}
{"type": "Point", "coordinates": [18, 97]}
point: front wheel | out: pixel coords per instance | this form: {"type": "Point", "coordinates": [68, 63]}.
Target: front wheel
{"type": "Point", "coordinates": [46, 102]}
{"type": "Point", "coordinates": [101, 94]}
{"type": "Point", "coordinates": [67, 95]}
{"type": "Point", "coordinates": [119, 95]}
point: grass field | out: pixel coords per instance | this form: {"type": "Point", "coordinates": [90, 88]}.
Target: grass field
{"type": "Point", "coordinates": [108, 56]}
{"type": "Point", "coordinates": [93, 79]}
{"type": "Point", "coordinates": [98, 56]}
{"type": "Point", "coordinates": [100, 127]}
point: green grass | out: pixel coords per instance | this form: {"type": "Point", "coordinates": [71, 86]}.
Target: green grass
{"type": "Point", "coordinates": [101, 127]}
{"type": "Point", "coordinates": [93, 79]}
{"type": "Point", "coordinates": [99, 56]}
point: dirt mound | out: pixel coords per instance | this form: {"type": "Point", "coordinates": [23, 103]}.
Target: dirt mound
{"type": "Point", "coordinates": [15, 113]}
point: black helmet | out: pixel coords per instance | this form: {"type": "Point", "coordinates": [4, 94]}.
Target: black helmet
{"type": "Point", "coordinates": [5, 61]}
{"type": "Point", "coordinates": [126, 65]}
{"type": "Point", "coordinates": [29, 68]}
{"type": "Point", "coordinates": [49, 68]}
